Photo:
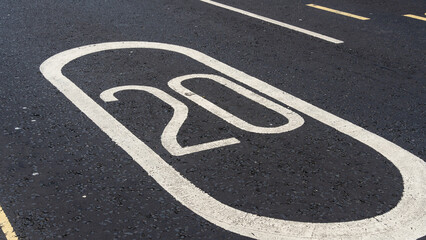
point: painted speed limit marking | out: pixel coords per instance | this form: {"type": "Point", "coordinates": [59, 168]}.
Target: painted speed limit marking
{"type": "Point", "coordinates": [168, 138]}
{"type": "Point", "coordinates": [405, 221]}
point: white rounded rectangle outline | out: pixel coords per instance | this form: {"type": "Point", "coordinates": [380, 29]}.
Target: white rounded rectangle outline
{"type": "Point", "coordinates": [407, 220]}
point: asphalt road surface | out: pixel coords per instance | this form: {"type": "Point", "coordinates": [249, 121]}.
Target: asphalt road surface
{"type": "Point", "coordinates": [235, 119]}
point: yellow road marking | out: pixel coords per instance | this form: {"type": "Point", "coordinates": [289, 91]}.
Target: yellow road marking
{"type": "Point", "coordinates": [337, 12]}
{"type": "Point", "coordinates": [415, 17]}
{"type": "Point", "coordinates": [6, 227]}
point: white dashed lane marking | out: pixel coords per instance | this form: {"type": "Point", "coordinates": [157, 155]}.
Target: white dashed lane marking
{"type": "Point", "coordinates": [281, 24]}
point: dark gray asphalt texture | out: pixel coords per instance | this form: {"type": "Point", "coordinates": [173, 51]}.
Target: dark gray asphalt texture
{"type": "Point", "coordinates": [375, 79]}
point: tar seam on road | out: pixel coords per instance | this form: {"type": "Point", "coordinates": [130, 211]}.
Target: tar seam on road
{"type": "Point", "coordinates": [6, 227]}
{"type": "Point", "coordinates": [415, 17]}
{"type": "Point", "coordinates": [281, 24]}
{"type": "Point", "coordinates": [338, 12]}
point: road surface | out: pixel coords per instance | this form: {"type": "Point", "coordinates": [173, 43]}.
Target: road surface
{"type": "Point", "coordinates": [212, 119]}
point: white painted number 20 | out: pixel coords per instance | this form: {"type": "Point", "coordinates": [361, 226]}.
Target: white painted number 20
{"type": "Point", "coordinates": [168, 138]}
{"type": "Point", "coordinates": [407, 220]}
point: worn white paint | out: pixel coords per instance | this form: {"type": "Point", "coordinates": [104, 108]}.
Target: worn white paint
{"type": "Point", "coordinates": [180, 114]}
{"type": "Point", "coordinates": [405, 221]}
{"type": "Point", "coordinates": [269, 20]}
{"type": "Point", "coordinates": [294, 119]}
